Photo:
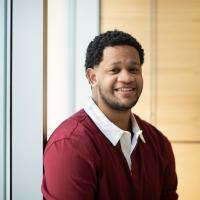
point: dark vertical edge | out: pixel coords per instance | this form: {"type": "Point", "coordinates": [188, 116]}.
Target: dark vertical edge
{"type": "Point", "coordinates": [45, 45]}
{"type": "Point", "coordinates": [5, 100]}
{"type": "Point", "coordinates": [11, 75]}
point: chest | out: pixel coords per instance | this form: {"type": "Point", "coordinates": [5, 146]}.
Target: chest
{"type": "Point", "coordinates": [144, 179]}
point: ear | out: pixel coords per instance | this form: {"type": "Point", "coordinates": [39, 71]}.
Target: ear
{"type": "Point", "coordinates": [91, 76]}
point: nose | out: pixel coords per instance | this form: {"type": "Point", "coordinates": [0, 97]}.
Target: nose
{"type": "Point", "coordinates": [125, 76]}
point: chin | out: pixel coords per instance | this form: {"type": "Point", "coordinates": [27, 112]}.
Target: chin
{"type": "Point", "coordinates": [121, 106]}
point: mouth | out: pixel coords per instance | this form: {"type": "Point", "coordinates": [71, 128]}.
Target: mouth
{"type": "Point", "coordinates": [125, 92]}
{"type": "Point", "coordinates": [125, 89]}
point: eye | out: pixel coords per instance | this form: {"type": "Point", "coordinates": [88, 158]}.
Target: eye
{"type": "Point", "coordinates": [115, 70]}
{"type": "Point", "coordinates": [134, 70]}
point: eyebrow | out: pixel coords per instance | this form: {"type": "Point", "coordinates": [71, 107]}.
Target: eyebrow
{"type": "Point", "coordinates": [133, 62]}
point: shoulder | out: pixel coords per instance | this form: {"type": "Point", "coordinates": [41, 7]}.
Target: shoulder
{"type": "Point", "coordinates": [153, 136]}
{"type": "Point", "coordinates": [157, 146]}
{"type": "Point", "coordinates": [74, 131]}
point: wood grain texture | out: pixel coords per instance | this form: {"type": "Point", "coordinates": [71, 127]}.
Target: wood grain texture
{"type": "Point", "coordinates": [178, 78]}
{"type": "Point", "coordinates": [188, 165]}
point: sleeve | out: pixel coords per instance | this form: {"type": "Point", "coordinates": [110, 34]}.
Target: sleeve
{"type": "Point", "coordinates": [170, 177]}
{"type": "Point", "coordinates": [69, 172]}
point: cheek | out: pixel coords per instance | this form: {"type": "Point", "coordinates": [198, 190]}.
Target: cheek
{"type": "Point", "coordinates": [140, 79]}
{"type": "Point", "coordinates": [106, 82]}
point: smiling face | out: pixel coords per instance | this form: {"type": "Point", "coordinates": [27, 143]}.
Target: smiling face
{"type": "Point", "coordinates": [117, 81]}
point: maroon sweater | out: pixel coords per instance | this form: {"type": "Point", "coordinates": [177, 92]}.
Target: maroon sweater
{"type": "Point", "coordinates": [80, 163]}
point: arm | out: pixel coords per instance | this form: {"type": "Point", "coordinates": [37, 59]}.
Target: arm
{"type": "Point", "coordinates": [170, 177]}
{"type": "Point", "coordinates": [69, 171]}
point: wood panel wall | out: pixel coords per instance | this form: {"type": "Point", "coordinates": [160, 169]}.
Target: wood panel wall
{"type": "Point", "coordinates": [169, 31]}
{"type": "Point", "coordinates": [178, 76]}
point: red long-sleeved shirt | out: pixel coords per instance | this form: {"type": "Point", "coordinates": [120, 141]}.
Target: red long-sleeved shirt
{"type": "Point", "coordinates": [80, 163]}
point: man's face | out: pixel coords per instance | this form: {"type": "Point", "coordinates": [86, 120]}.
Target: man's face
{"type": "Point", "coordinates": [117, 80]}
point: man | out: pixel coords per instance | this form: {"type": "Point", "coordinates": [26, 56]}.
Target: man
{"type": "Point", "coordinates": [104, 151]}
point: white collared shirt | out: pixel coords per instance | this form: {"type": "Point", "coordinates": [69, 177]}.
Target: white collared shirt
{"type": "Point", "coordinates": [113, 133]}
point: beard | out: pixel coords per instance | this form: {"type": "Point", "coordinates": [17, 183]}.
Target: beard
{"type": "Point", "coordinates": [115, 104]}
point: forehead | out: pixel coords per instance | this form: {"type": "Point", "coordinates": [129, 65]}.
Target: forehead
{"type": "Point", "coordinates": [120, 52]}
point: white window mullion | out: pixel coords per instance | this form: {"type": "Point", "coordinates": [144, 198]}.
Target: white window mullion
{"type": "Point", "coordinates": [27, 99]}
{"type": "Point", "coordinates": [5, 57]}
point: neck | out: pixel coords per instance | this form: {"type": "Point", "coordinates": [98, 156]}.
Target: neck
{"type": "Point", "coordinates": [122, 119]}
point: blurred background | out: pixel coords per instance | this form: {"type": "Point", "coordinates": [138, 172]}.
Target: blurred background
{"type": "Point", "coordinates": [42, 79]}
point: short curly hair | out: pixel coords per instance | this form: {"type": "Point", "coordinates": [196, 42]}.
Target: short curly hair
{"type": "Point", "coordinates": [95, 48]}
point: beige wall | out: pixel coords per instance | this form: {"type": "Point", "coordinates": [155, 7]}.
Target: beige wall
{"type": "Point", "coordinates": [170, 34]}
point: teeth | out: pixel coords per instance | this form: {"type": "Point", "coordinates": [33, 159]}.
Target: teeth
{"type": "Point", "coordinates": [125, 89]}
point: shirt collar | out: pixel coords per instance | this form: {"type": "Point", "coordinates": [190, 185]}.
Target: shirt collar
{"type": "Point", "coordinates": [110, 130]}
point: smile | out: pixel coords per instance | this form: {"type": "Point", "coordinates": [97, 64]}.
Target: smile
{"type": "Point", "coordinates": [125, 89]}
